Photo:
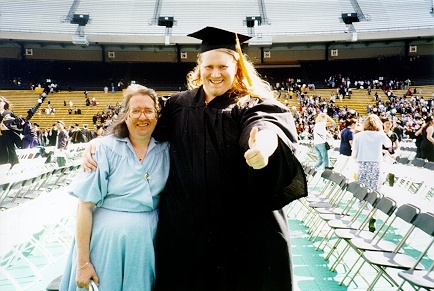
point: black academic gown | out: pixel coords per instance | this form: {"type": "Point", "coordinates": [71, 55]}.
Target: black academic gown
{"type": "Point", "coordinates": [221, 223]}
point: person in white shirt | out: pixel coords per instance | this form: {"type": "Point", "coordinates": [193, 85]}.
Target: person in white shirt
{"type": "Point", "coordinates": [322, 121]}
{"type": "Point", "coordinates": [368, 151]}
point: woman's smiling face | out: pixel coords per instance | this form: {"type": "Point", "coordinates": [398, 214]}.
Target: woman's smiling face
{"type": "Point", "coordinates": [217, 71]}
{"type": "Point", "coordinates": [143, 124]}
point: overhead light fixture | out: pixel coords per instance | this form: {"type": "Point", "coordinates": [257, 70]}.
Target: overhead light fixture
{"type": "Point", "coordinates": [252, 21]}
{"type": "Point", "coordinates": [80, 38]}
{"type": "Point", "coordinates": [80, 19]}
{"type": "Point", "coordinates": [168, 22]}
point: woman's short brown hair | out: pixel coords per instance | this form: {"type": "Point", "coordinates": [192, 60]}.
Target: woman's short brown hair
{"type": "Point", "coordinates": [119, 128]}
{"type": "Point", "coordinates": [350, 121]}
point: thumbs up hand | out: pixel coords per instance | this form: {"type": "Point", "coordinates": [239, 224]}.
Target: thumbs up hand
{"type": "Point", "coordinates": [262, 145]}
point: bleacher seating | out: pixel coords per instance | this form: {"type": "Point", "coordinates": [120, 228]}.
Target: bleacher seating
{"type": "Point", "coordinates": [23, 100]}
{"type": "Point", "coordinates": [139, 17]}
{"type": "Point", "coordinates": [359, 99]}
{"type": "Point", "coordinates": [383, 15]}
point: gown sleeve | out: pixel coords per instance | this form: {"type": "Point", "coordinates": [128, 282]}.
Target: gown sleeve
{"type": "Point", "coordinates": [162, 130]}
{"type": "Point", "coordinates": [92, 187]}
{"type": "Point", "coordinates": [283, 180]}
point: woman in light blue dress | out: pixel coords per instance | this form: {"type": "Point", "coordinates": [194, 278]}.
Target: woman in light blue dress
{"type": "Point", "coordinates": [118, 203]}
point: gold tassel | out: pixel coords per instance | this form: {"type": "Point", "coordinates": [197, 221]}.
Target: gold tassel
{"type": "Point", "coordinates": [242, 65]}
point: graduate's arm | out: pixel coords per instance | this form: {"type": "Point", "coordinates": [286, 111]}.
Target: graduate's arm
{"type": "Point", "coordinates": [262, 144]}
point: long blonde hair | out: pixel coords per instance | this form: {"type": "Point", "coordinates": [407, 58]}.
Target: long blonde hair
{"type": "Point", "coordinates": [260, 89]}
{"type": "Point", "coordinates": [321, 117]}
{"type": "Point", "coordinates": [372, 123]}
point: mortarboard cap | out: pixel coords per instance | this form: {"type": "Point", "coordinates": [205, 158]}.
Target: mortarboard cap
{"type": "Point", "coordinates": [215, 38]}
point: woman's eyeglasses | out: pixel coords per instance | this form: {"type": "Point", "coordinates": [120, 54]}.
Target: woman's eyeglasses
{"type": "Point", "coordinates": [148, 112]}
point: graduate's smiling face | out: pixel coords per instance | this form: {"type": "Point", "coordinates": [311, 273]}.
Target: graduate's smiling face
{"type": "Point", "coordinates": [217, 71]}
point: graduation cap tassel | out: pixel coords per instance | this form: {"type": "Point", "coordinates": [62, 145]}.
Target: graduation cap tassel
{"type": "Point", "coordinates": [242, 65]}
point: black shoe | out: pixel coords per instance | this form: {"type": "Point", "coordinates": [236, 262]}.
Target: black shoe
{"type": "Point", "coordinates": [372, 225]}
{"type": "Point", "coordinates": [329, 168]}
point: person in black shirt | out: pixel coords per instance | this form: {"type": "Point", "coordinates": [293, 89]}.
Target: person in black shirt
{"type": "Point", "coordinates": [10, 139]}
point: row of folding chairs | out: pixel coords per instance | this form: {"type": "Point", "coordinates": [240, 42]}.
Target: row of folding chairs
{"type": "Point", "coordinates": [33, 184]}
{"type": "Point", "coordinates": [413, 178]}
{"type": "Point", "coordinates": [28, 179]}
{"type": "Point", "coordinates": [337, 211]}
{"type": "Point", "coordinates": [37, 241]}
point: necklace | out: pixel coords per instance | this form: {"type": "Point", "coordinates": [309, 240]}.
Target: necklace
{"type": "Point", "coordinates": [142, 157]}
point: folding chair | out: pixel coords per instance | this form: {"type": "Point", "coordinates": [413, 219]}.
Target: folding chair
{"type": "Point", "coordinates": [386, 206]}
{"type": "Point", "coordinates": [407, 214]}
{"type": "Point", "coordinates": [337, 211]}
{"type": "Point", "coordinates": [418, 278]}
{"type": "Point", "coordinates": [4, 190]}
{"type": "Point", "coordinates": [329, 197]}
{"type": "Point", "coordinates": [429, 166]}
{"type": "Point", "coordinates": [359, 220]}
{"type": "Point", "coordinates": [402, 160]}
{"type": "Point", "coordinates": [383, 260]}
{"type": "Point", "coordinates": [409, 177]}
{"type": "Point", "coordinates": [10, 200]}
{"type": "Point", "coordinates": [323, 182]}
{"type": "Point", "coordinates": [320, 183]}
{"type": "Point", "coordinates": [418, 162]}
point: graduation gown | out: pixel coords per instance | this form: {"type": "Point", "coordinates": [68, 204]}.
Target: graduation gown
{"type": "Point", "coordinates": [221, 224]}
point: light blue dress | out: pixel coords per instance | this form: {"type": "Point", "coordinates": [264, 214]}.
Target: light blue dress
{"type": "Point", "coordinates": [126, 194]}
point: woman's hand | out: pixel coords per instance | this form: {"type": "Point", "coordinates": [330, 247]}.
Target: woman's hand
{"type": "Point", "coordinates": [85, 274]}
{"type": "Point", "coordinates": [85, 270]}
{"type": "Point", "coordinates": [262, 145]}
{"type": "Point", "coordinates": [88, 163]}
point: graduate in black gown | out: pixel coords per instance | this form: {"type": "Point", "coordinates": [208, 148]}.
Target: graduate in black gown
{"type": "Point", "coordinates": [10, 129]}
{"type": "Point", "coordinates": [221, 225]}
{"type": "Point", "coordinates": [232, 170]}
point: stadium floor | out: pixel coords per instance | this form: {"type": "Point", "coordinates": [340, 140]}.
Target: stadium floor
{"type": "Point", "coordinates": [311, 271]}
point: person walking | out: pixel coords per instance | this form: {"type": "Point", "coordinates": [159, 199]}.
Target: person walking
{"type": "Point", "coordinates": [322, 122]}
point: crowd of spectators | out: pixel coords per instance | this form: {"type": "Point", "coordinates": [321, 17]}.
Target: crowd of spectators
{"type": "Point", "coordinates": [408, 111]}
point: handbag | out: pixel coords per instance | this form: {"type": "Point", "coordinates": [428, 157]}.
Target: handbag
{"type": "Point", "coordinates": [327, 145]}
{"type": "Point", "coordinates": [93, 286]}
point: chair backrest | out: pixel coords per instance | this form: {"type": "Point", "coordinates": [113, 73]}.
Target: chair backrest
{"type": "Point", "coordinates": [338, 178]}
{"type": "Point", "coordinates": [402, 160]}
{"type": "Point", "coordinates": [326, 173]}
{"type": "Point", "coordinates": [425, 222]}
{"type": "Point", "coordinates": [386, 205]}
{"type": "Point", "coordinates": [418, 162]}
{"type": "Point", "coordinates": [429, 165]}
{"type": "Point", "coordinates": [312, 171]}
{"type": "Point", "coordinates": [373, 197]}
{"type": "Point", "coordinates": [408, 212]}
{"type": "Point", "coordinates": [353, 186]}
{"type": "Point", "coordinates": [361, 193]}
